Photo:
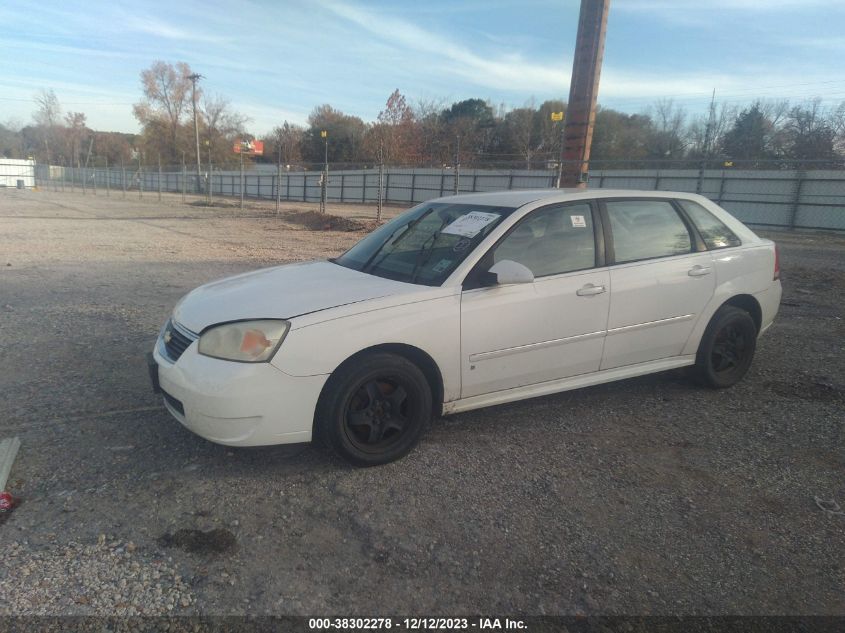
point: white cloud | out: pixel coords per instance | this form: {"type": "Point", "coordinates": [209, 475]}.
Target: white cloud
{"type": "Point", "coordinates": [765, 6]}
{"type": "Point", "coordinates": [160, 28]}
{"type": "Point", "coordinates": [505, 72]}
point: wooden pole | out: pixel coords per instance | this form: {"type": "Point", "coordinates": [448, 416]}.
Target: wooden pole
{"type": "Point", "coordinates": [583, 92]}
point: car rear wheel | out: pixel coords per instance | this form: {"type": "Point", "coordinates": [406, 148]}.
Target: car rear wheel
{"type": "Point", "coordinates": [727, 348]}
{"type": "Point", "coordinates": [374, 409]}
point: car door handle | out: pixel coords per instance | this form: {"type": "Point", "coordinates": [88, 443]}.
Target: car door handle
{"type": "Point", "coordinates": [698, 271]}
{"type": "Point", "coordinates": [589, 290]}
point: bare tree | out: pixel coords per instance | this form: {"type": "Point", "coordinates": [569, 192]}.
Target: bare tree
{"type": "Point", "coordinates": [47, 119]}
{"type": "Point", "coordinates": [288, 138]}
{"type": "Point", "coordinates": [518, 132]}
{"type": "Point", "coordinates": [394, 137]}
{"type": "Point", "coordinates": [221, 126]}
{"type": "Point", "coordinates": [49, 111]}
{"type": "Point", "coordinates": [77, 128]}
{"type": "Point", "coordinates": [427, 114]}
{"type": "Point", "coordinates": [837, 122]}
{"type": "Point", "coordinates": [167, 97]}
{"type": "Point", "coordinates": [669, 135]}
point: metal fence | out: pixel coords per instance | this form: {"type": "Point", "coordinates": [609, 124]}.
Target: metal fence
{"type": "Point", "coordinates": [793, 198]}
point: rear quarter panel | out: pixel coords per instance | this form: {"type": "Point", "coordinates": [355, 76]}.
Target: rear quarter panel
{"type": "Point", "coordinates": [748, 269]}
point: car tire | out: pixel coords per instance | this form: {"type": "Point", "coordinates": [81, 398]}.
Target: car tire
{"type": "Point", "coordinates": [726, 349]}
{"type": "Point", "coordinates": [374, 409]}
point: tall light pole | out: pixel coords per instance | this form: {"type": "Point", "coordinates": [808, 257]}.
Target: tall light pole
{"type": "Point", "coordinates": [194, 78]}
{"type": "Point", "coordinates": [558, 117]}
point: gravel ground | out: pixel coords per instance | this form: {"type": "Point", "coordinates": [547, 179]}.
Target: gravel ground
{"type": "Point", "coordinates": [648, 496]}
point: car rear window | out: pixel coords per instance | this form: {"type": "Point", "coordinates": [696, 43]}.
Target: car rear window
{"type": "Point", "coordinates": [713, 231]}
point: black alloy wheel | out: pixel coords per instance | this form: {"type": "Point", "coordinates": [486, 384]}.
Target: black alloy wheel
{"type": "Point", "coordinates": [727, 348]}
{"type": "Point", "coordinates": [374, 409]}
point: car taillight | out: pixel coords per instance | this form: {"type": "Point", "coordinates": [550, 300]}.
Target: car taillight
{"type": "Point", "coordinates": [777, 264]}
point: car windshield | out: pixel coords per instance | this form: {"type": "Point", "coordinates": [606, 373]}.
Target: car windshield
{"type": "Point", "coordinates": [425, 244]}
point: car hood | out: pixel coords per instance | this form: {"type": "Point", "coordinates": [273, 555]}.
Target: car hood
{"type": "Point", "coordinates": [281, 292]}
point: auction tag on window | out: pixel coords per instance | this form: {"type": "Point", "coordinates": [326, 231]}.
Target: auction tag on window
{"type": "Point", "coordinates": [471, 224]}
{"type": "Point", "coordinates": [440, 266]}
{"type": "Point", "coordinates": [578, 221]}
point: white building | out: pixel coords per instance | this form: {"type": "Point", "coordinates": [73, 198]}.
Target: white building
{"type": "Point", "coordinates": [14, 171]}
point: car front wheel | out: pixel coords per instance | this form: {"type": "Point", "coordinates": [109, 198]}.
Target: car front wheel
{"type": "Point", "coordinates": [374, 409]}
{"type": "Point", "coordinates": [727, 348]}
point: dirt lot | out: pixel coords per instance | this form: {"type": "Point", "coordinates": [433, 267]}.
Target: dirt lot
{"type": "Point", "coordinates": [641, 497]}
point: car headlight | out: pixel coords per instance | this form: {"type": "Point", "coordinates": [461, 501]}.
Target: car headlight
{"type": "Point", "coordinates": [244, 341]}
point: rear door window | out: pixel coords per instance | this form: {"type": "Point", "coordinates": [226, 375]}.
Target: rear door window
{"type": "Point", "coordinates": [713, 231]}
{"type": "Point", "coordinates": [645, 229]}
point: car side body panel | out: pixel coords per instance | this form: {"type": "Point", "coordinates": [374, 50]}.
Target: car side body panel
{"type": "Point", "coordinates": [527, 333]}
{"type": "Point", "coordinates": [655, 305]}
{"type": "Point", "coordinates": [432, 325]}
{"type": "Point", "coordinates": [745, 270]}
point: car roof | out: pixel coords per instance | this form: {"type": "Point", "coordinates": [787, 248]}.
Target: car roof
{"type": "Point", "coordinates": [518, 198]}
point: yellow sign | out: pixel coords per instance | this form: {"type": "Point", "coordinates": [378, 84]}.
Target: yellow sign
{"type": "Point", "coordinates": [729, 163]}
{"type": "Point", "coordinates": [557, 116]}
{"type": "Point", "coordinates": [323, 134]}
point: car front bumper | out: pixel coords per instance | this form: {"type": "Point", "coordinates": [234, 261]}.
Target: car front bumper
{"type": "Point", "coordinates": [237, 404]}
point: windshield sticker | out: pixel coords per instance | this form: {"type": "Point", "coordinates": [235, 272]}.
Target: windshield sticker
{"type": "Point", "coordinates": [578, 221]}
{"type": "Point", "coordinates": [471, 224]}
{"type": "Point", "coordinates": [442, 265]}
{"type": "Point", "coordinates": [461, 245]}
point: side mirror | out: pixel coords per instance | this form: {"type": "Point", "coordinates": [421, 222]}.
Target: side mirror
{"type": "Point", "coordinates": [508, 271]}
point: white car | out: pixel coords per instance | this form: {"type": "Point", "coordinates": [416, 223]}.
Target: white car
{"type": "Point", "coordinates": [465, 302]}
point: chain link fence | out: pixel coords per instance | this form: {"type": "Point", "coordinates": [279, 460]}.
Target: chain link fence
{"type": "Point", "coordinates": [780, 195]}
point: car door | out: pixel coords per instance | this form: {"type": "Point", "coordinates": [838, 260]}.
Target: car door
{"type": "Point", "coordinates": [661, 278]}
{"type": "Point", "coordinates": [520, 334]}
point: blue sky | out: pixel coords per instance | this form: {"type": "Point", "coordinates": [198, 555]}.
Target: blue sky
{"type": "Point", "coordinates": [276, 60]}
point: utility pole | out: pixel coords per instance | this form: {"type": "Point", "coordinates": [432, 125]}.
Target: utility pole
{"type": "Point", "coordinates": [458, 164]}
{"type": "Point", "coordinates": [279, 175]}
{"type": "Point", "coordinates": [705, 150]}
{"type": "Point", "coordinates": [324, 194]}
{"type": "Point", "coordinates": [194, 78]}
{"type": "Point", "coordinates": [557, 117]}
{"type": "Point", "coordinates": [210, 174]}
{"type": "Point", "coordinates": [583, 92]}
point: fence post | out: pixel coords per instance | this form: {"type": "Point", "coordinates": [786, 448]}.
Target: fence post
{"type": "Point", "coordinates": [108, 178]}
{"type": "Point", "coordinates": [123, 176]}
{"type": "Point", "coordinates": [721, 188]}
{"type": "Point", "coordinates": [474, 181]}
{"type": "Point", "coordinates": [278, 187]}
{"type": "Point", "coordinates": [210, 181]}
{"type": "Point", "coordinates": [387, 186]}
{"type": "Point", "coordinates": [657, 180]}
{"type": "Point", "coordinates": [84, 179]}
{"type": "Point", "coordinates": [413, 185]}
{"type": "Point", "coordinates": [442, 179]}
{"type": "Point", "coordinates": [342, 184]}
{"type": "Point", "coordinates": [363, 186]}
{"type": "Point", "coordinates": [800, 175]}
{"type": "Point", "coordinates": [94, 181]}
{"type": "Point", "coordinates": [140, 179]}
{"type": "Point", "coordinates": [510, 181]}
{"type": "Point", "coordinates": [241, 183]}
{"type": "Point", "coordinates": [380, 195]}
